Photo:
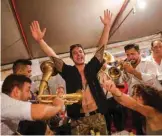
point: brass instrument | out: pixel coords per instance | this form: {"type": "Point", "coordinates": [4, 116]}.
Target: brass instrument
{"type": "Point", "coordinates": [69, 98]}
{"type": "Point", "coordinates": [111, 69]}
{"type": "Point", "coordinates": [114, 73]}
{"type": "Point", "coordinates": [48, 70]}
{"type": "Point", "coordinates": [47, 67]}
{"type": "Point", "coordinates": [109, 58]}
{"type": "Point", "coordinates": [114, 68]}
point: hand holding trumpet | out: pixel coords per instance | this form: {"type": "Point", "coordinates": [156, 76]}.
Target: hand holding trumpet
{"type": "Point", "coordinates": [128, 67]}
{"type": "Point", "coordinates": [58, 102]}
{"type": "Point", "coordinates": [60, 93]}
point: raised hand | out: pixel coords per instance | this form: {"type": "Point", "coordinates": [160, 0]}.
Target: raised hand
{"type": "Point", "coordinates": [106, 20]}
{"type": "Point", "coordinates": [36, 31]}
{"type": "Point", "coordinates": [109, 85]}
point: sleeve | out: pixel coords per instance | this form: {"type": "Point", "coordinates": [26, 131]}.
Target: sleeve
{"type": "Point", "coordinates": [93, 67]}
{"type": "Point", "coordinates": [149, 75]}
{"type": "Point", "coordinates": [151, 80]}
{"type": "Point", "coordinates": [61, 67]}
{"type": "Point", "coordinates": [14, 109]}
{"type": "Point", "coordinates": [58, 63]}
{"type": "Point", "coordinates": [99, 53]}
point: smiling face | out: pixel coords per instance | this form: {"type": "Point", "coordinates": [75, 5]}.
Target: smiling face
{"type": "Point", "coordinates": [78, 56]}
{"type": "Point", "coordinates": [133, 56]}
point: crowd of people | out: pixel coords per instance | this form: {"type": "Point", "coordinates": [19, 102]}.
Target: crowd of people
{"type": "Point", "coordinates": [103, 102]}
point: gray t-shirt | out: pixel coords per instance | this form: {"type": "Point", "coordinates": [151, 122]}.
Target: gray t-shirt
{"type": "Point", "coordinates": [12, 111]}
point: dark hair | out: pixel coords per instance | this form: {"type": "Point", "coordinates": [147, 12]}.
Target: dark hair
{"type": "Point", "coordinates": [130, 46]}
{"type": "Point", "coordinates": [150, 95]}
{"type": "Point", "coordinates": [73, 46]}
{"type": "Point", "coordinates": [14, 80]}
{"type": "Point", "coordinates": [19, 63]}
{"type": "Point", "coordinates": [152, 43]}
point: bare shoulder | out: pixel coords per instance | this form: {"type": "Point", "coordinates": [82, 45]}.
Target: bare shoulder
{"type": "Point", "coordinates": [147, 111]}
{"type": "Point", "coordinates": [155, 117]}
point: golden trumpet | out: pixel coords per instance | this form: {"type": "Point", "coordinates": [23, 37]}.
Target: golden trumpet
{"type": "Point", "coordinates": [114, 71]}
{"type": "Point", "coordinates": [69, 98]}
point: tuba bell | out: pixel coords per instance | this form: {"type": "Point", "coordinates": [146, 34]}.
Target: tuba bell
{"type": "Point", "coordinates": [48, 70]}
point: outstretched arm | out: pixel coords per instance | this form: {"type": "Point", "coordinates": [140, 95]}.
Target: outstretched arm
{"type": "Point", "coordinates": [43, 112]}
{"type": "Point", "coordinates": [38, 36]}
{"type": "Point", "coordinates": [106, 20]}
{"type": "Point", "coordinates": [27, 111]}
{"type": "Point", "coordinates": [127, 100]}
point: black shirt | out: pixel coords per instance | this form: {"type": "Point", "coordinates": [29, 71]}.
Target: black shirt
{"type": "Point", "coordinates": [74, 83]}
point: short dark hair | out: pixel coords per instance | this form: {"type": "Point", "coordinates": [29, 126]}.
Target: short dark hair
{"type": "Point", "coordinates": [130, 46]}
{"type": "Point", "coordinates": [19, 63]}
{"type": "Point", "coordinates": [152, 43]}
{"type": "Point", "coordinates": [150, 95]}
{"type": "Point", "coordinates": [73, 46]}
{"type": "Point", "coordinates": [14, 80]}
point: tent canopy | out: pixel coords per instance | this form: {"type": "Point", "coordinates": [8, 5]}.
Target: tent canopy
{"type": "Point", "coordinates": [69, 22]}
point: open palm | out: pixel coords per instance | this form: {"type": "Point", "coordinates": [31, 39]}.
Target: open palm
{"type": "Point", "coordinates": [106, 20]}
{"type": "Point", "coordinates": [36, 31]}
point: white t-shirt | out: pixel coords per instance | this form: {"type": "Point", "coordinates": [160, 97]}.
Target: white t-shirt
{"type": "Point", "coordinates": [149, 76]}
{"type": "Point", "coordinates": [159, 67]}
{"type": "Point", "coordinates": [12, 111]}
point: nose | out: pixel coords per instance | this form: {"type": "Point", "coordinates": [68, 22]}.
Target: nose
{"type": "Point", "coordinates": [78, 54]}
{"type": "Point", "coordinates": [131, 57]}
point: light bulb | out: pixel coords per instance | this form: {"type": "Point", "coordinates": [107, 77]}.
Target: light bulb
{"type": "Point", "coordinates": [141, 4]}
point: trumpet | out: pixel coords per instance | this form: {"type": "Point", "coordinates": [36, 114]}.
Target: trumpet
{"type": "Point", "coordinates": [114, 70]}
{"type": "Point", "coordinates": [48, 70]}
{"type": "Point", "coordinates": [69, 98]}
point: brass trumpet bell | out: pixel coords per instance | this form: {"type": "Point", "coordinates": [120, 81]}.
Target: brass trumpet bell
{"type": "Point", "coordinates": [108, 57]}
{"type": "Point", "coordinates": [113, 68]}
{"type": "Point", "coordinates": [114, 73]}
